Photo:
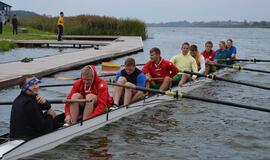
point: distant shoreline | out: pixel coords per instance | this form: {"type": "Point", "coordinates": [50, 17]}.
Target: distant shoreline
{"type": "Point", "coordinates": [203, 27]}
{"type": "Point", "coordinates": [213, 24]}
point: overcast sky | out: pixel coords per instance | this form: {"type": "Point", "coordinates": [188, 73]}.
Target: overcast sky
{"type": "Point", "coordinates": [153, 10]}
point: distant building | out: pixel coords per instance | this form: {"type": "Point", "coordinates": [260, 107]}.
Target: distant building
{"type": "Point", "coordinates": [5, 11]}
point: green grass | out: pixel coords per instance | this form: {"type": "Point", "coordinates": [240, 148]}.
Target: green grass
{"type": "Point", "coordinates": [7, 45]}
{"type": "Point", "coordinates": [32, 34]}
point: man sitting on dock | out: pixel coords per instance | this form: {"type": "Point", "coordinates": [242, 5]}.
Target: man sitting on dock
{"type": "Point", "coordinates": [159, 72]}
{"type": "Point", "coordinates": [129, 76]}
{"type": "Point", "coordinates": [90, 87]}
{"type": "Point", "coordinates": [27, 119]}
{"type": "Point", "coordinates": [184, 61]}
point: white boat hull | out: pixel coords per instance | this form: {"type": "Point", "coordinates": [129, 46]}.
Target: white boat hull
{"type": "Point", "coordinates": [51, 140]}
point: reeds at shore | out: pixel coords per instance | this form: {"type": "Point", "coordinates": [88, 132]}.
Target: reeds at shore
{"type": "Point", "coordinates": [90, 25]}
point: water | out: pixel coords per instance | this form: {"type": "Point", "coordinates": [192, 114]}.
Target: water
{"type": "Point", "coordinates": [185, 129]}
{"type": "Point", "coordinates": [20, 53]}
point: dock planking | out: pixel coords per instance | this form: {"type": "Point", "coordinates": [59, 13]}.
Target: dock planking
{"type": "Point", "coordinates": [65, 43]}
{"type": "Point", "coordinates": [11, 73]}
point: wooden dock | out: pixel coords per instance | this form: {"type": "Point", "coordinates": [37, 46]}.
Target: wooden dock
{"type": "Point", "coordinates": [83, 43]}
{"type": "Point", "coordinates": [11, 73]}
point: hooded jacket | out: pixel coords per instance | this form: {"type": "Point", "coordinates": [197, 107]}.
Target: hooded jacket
{"type": "Point", "coordinates": [99, 88]}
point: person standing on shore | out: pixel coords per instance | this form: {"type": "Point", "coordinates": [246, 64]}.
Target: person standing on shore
{"type": "Point", "coordinates": [1, 23]}
{"type": "Point", "coordinates": [60, 26]}
{"type": "Point", "coordinates": [14, 22]}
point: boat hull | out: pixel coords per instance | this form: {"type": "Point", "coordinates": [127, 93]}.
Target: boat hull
{"type": "Point", "coordinates": [62, 135]}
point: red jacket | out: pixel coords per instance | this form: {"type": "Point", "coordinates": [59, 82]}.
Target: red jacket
{"type": "Point", "coordinates": [209, 56]}
{"type": "Point", "coordinates": [99, 87]}
{"type": "Point", "coordinates": [161, 70]}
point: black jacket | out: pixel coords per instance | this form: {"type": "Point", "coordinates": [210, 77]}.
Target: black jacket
{"type": "Point", "coordinates": [27, 119]}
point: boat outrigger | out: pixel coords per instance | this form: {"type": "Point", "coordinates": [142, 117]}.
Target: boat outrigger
{"type": "Point", "coordinates": [16, 148]}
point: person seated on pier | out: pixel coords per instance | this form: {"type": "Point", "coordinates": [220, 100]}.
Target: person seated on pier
{"type": "Point", "coordinates": [130, 76]}
{"type": "Point", "coordinates": [184, 61]}
{"type": "Point", "coordinates": [90, 87]}
{"type": "Point", "coordinates": [222, 54]}
{"type": "Point", "coordinates": [231, 48]}
{"type": "Point", "coordinates": [27, 120]}
{"type": "Point", "coordinates": [200, 61]}
{"type": "Point", "coordinates": [159, 72]}
{"type": "Point", "coordinates": [209, 55]}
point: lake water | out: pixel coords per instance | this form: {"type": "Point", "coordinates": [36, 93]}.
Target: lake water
{"type": "Point", "coordinates": [186, 129]}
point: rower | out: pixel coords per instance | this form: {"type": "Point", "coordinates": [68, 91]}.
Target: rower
{"type": "Point", "coordinates": [222, 54]}
{"type": "Point", "coordinates": [27, 120]}
{"type": "Point", "coordinates": [90, 87]}
{"type": "Point", "coordinates": [158, 67]}
{"type": "Point", "coordinates": [184, 61]}
{"type": "Point", "coordinates": [200, 61]}
{"type": "Point", "coordinates": [231, 48]}
{"type": "Point", "coordinates": [209, 55]}
{"type": "Point", "coordinates": [129, 76]}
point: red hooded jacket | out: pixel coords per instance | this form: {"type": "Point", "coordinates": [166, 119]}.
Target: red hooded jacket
{"type": "Point", "coordinates": [99, 88]}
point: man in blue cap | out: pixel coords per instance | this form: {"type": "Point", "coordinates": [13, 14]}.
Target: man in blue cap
{"type": "Point", "coordinates": [27, 118]}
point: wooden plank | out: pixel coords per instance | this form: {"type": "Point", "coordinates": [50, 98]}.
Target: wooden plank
{"type": "Point", "coordinates": [11, 73]}
{"type": "Point", "coordinates": [40, 43]}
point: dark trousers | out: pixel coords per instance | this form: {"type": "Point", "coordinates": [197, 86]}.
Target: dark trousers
{"type": "Point", "coordinates": [60, 32]}
{"type": "Point", "coordinates": [15, 29]}
{"type": "Point", "coordinates": [1, 27]}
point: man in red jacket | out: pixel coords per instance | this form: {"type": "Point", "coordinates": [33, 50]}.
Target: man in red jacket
{"type": "Point", "coordinates": [157, 67]}
{"type": "Point", "coordinates": [90, 87]}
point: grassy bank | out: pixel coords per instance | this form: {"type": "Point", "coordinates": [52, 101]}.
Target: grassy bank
{"type": "Point", "coordinates": [32, 34]}
{"type": "Point", "coordinates": [90, 25]}
{"type": "Point", "coordinates": [7, 45]}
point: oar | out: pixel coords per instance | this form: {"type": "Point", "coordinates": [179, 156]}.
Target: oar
{"type": "Point", "coordinates": [53, 101]}
{"type": "Point", "coordinates": [76, 78]}
{"type": "Point", "coordinates": [182, 95]}
{"type": "Point", "coordinates": [238, 67]}
{"type": "Point", "coordinates": [70, 84]}
{"type": "Point", "coordinates": [214, 77]}
{"type": "Point", "coordinates": [249, 60]}
{"type": "Point", "coordinates": [55, 85]}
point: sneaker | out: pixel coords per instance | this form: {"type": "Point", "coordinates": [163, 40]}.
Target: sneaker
{"type": "Point", "coordinates": [114, 107]}
{"type": "Point", "coordinates": [66, 125]}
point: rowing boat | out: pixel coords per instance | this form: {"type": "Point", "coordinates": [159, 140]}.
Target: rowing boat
{"type": "Point", "coordinates": [14, 149]}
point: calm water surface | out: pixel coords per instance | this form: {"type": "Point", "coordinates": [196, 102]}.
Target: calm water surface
{"type": "Point", "coordinates": [185, 129]}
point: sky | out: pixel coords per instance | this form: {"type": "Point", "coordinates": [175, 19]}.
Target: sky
{"type": "Point", "coordinates": [153, 11]}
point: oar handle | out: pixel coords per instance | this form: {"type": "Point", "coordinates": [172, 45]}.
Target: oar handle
{"type": "Point", "coordinates": [253, 60]}
{"type": "Point", "coordinates": [140, 64]}
{"type": "Point", "coordinates": [55, 85]}
{"type": "Point", "coordinates": [54, 101]}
